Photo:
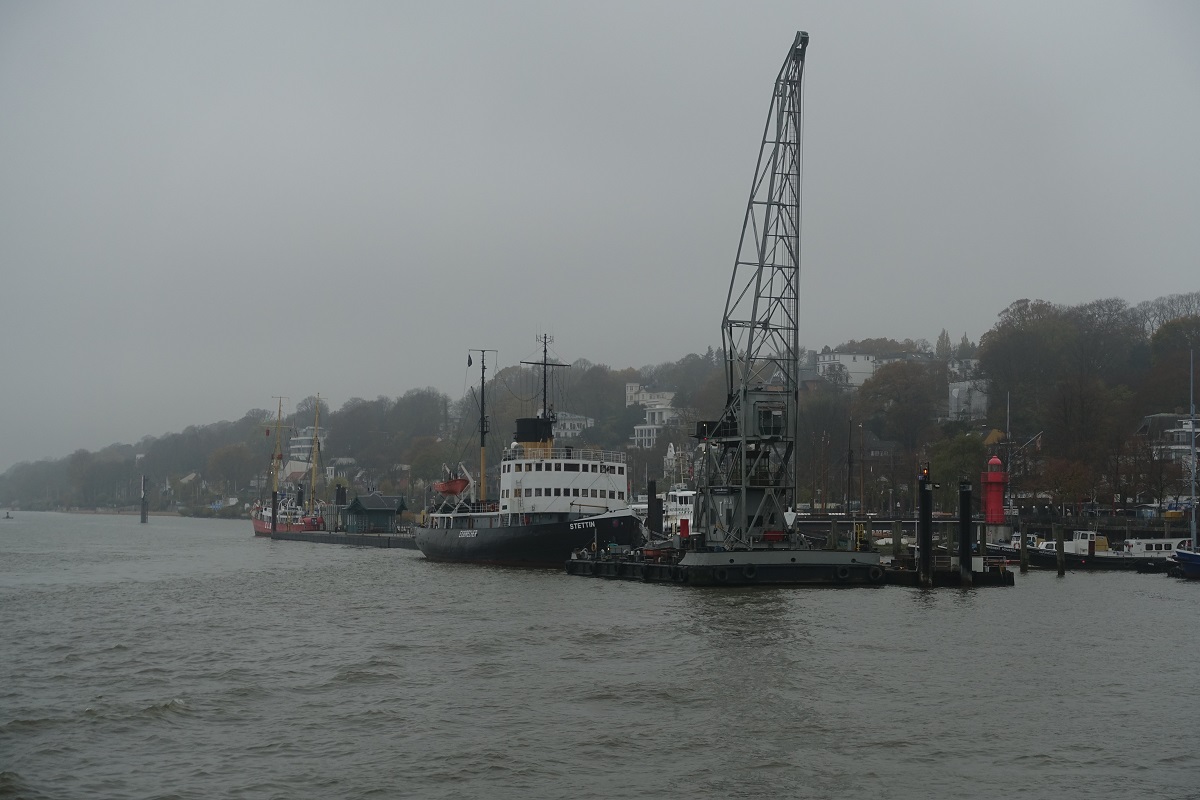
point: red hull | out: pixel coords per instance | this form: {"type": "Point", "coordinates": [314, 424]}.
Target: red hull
{"type": "Point", "coordinates": [262, 527]}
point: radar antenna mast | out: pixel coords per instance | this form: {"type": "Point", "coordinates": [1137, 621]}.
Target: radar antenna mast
{"type": "Point", "coordinates": [749, 478]}
{"type": "Point", "coordinates": [547, 410]}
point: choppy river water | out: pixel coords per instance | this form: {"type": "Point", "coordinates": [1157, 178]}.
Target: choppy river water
{"type": "Point", "coordinates": [188, 659]}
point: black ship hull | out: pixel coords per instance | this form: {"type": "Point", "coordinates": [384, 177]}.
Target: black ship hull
{"type": "Point", "coordinates": [545, 544]}
{"type": "Point", "coordinates": [1048, 559]}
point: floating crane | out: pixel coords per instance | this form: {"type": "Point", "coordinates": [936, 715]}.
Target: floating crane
{"type": "Point", "coordinates": [749, 477]}
{"type": "Point", "coordinates": [748, 481]}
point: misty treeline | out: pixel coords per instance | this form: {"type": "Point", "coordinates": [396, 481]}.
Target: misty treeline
{"type": "Point", "coordinates": [1070, 383]}
{"type": "Point", "coordinates": [398, 445]}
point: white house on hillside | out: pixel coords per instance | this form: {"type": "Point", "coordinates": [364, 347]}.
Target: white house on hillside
{"type": "Point", "coordinates": [968, 400]}
{"type": "Point", "coordinates": [658, 412]}
{"type": "Point", "coordinates": [637, 395]}
{"type": "Point", "coordinates": [858, 367]}
{"type": "Point", "coordinates": [646, 435]}
{"type": "Point", "coordinates": [570, 426]}
{"type": "Point", "coordinates": [300, 445]}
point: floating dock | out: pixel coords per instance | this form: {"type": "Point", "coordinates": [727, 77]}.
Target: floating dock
{"type": "Point", "coordinates": [786, 567]}
{"type": "Point", "coordinates": [782, 573]}
{"type": "Point", "coordinates": [402, 540]}
{"type": "Point", "coordinates": [767, 567]}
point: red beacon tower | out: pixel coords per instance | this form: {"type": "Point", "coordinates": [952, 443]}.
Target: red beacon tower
{"type": "Point", "coordinates": [994, 481]}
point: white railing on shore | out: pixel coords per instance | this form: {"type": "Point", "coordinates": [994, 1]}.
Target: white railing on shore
{"type": "Point", "coordinates": [562, 453]}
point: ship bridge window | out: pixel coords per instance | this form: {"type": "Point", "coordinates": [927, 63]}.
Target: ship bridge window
{"type": "Point", "coordinates": [537, 492]}
{"type": "Point", "coordinates": [620, 470]}
{"type": "Point", "coordinates": [517, 467]}
{"type": "Point", "coordinates": [575, 493]}
{"type": "Point", "coordinates": [569, 467]}
{"type": "Point", "coordinates": [538, 466]}
{"type": "Point", "coordinates": [595, 467]}
{"type": "Point", "coordinates": [529, 492]}
{"type": "Point", "coordinates": [558, 492]}
{"type": "Point", "coordinates": [557, 466]}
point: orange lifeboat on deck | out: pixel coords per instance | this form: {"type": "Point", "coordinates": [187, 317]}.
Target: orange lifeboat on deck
{"type": "Point", "coordinates": [451, 486]}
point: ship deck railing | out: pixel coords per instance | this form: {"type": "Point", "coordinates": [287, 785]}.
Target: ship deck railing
{"type": "Point", "coordinates": [534, 452]}
{"type": "Point", "coordinates": [482, 507]}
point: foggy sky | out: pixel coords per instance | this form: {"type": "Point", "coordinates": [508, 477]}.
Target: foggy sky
{"type": "Point", "coordinates": [205, 205]}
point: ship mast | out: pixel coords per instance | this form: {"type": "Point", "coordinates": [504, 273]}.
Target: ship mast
{"type": "Point", "coordinates": [1192, 437]}
{"type": "Point", "coordinates": [483, 422]}
{"type": "Point", "coordinates": [750, 469]}
{"type": "Point", "coordinates": [312, 456]}
{"type": "Point", "coordinates": [276, 457]}
{"type": "Point", "coordinates": [545, 340]}
{"type": "Point", "coordinates": [277, 453]}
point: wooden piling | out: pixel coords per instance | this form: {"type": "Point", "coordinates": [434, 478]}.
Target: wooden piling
{"type": "Point", "coordinates": [654, 508]}
{"type": "Point", "coordinates": [925, 530]}
{"type": "Point", "coordinates": [964, 534]}
{"type": "Point", "coordinates": [1060, 548]}
{"type": "Point", "coordinates": [145, 506]}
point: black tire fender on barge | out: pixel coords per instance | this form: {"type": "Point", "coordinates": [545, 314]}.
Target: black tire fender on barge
{"type": "Point", "coordinates": [720, 574]}
{"type": "Point", "coordinates": [875, 574]}
{"type": "Point", "coordinates": [842, 573]}
{"type": "Point", "coordinates": [749, 572]}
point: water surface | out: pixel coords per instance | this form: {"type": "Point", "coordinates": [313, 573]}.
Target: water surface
{"type": "Point", "coordinates": [188, 659]}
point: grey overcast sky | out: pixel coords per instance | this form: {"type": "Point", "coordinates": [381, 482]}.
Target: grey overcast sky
{"type": "Point", "coordinates": [206, 204]}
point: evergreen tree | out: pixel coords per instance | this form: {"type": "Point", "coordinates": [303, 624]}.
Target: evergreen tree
{"type": "Point", "coordinates": [943, 350]}
{"type": "Point", "coordinates": [966, 348]}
